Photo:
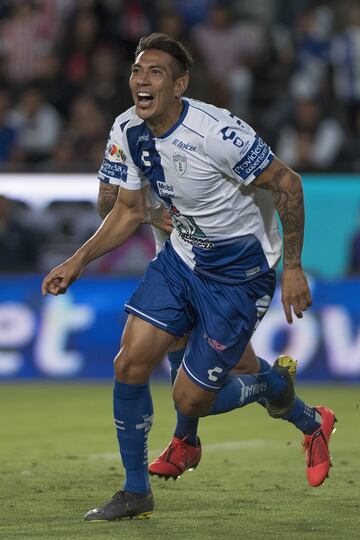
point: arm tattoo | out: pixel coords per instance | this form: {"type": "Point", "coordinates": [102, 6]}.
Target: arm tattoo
{"type": "Point", "coordinates": [107, 196]}
{"type": "Point", "coordinates": [288, 198]}
{"type": "Point", "coordinates": [154, 216]}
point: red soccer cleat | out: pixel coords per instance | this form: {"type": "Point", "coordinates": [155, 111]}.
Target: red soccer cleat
{"type": "Point", "coordinates": [177, 458]}
{"type": "Point", "coordinates": [316, 445]}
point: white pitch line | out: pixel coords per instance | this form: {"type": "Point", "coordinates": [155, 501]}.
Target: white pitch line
{"type": "Point", "coordinates": [230, 445]}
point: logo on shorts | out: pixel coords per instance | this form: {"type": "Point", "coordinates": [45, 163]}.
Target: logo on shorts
{"type": "Point", "coordinates": [180, 163]}
{"type": "Point", "coordinates": [215, 344]}
{"type": "Point", "coordinates": [211, 372]}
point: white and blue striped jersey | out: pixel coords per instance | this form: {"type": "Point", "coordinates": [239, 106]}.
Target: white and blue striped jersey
{"type": "Point", "coordinates": [202, 169]}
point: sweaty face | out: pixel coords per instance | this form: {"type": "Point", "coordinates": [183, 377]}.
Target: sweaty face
{"type": "Point", "coordinates": [152, 85]}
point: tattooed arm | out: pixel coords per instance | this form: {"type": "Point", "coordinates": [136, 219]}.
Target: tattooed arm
{"type": "Point", "coordinates": [158, 217]}
{"type": "Point", "coordinates": [106, 199]}
{"type": "Point", "coordinates": [286, 188]}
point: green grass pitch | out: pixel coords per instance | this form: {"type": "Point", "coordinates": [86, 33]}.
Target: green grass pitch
{"type": "Point", "coordinates": [58, 459]}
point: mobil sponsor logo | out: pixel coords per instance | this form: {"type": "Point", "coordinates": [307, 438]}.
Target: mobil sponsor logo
{"type": "Point", "coordinates": [165, 190]}
{"type": "Point", "coordinates": [183, 145]}
{"type": "Point", "coordinates": [256, 158]}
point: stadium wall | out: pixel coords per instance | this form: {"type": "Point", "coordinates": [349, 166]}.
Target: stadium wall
{"type": "Point", "coordinates": [76, 336]}
{"type": "Point", "coordinates": [332, 210]}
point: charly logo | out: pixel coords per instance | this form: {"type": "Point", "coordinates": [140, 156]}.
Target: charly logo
{"type": "Point", "coordinates": [180, 163]}
{"type": "Point", "coordinates": [217, 371]}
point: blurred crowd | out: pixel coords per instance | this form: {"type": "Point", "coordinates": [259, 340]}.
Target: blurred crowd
{"type": "Point", "coordinates": [36, 240]}
{"type": "Point", "coordinates": [292, 69]}
{"type": "Point", "coordinates": [289, 68]}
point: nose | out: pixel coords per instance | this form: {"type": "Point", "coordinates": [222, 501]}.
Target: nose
{"type": "Point", "coordinates": [142, 80]}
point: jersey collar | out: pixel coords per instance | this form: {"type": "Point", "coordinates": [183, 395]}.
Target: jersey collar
{"type": "Point", "coordinates": [178, 122]}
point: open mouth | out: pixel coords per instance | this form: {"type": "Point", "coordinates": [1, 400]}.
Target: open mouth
{"type": "Point", "coordinates": [144, 99]}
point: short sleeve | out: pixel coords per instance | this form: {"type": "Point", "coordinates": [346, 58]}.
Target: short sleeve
{"type": "Point", "coordinates": [237, 150]}
{"type": "Point", "coordinates": [117, 166]}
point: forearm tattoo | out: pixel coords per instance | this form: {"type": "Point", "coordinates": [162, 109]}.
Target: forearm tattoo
{"type": "Point", "coordinates": [154, 216]}
{"type": "Point", "coordinates": [288, 198]}
{"type": "Point", "coordinates": [107, 197]}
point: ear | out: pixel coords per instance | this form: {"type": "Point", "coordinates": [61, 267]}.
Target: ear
{"type": "Point", "coordinates": [181, 84]}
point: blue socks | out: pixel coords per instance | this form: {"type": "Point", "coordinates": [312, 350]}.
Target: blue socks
{"type": "Point", "coordinates": [263, 366]}
{"type": "Point", "coordinates": [240, 390]}
{"type": "Point", "coordinates": [133, 415]}
{"type": "Point", "coordinates": [186, 426]}
{"type": "Point", "coordinates": [304, 417]}
{"type": "Point", "coordinates": [175, 359]}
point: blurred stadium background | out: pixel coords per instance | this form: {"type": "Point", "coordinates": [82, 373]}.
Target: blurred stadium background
{"type": "Point", "coordinates": [290, 68]}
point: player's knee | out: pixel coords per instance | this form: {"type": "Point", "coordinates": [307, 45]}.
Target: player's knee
{"type": "Point", "coordinates": [190, 399]}
{"type": "Point", "coordinates": [127, 368]}
{"type": "Point", "coordinates": [191, 406]}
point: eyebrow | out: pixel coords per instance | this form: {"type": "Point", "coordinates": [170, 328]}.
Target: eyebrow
{"type": "Point", "coordinates": [150, 67]}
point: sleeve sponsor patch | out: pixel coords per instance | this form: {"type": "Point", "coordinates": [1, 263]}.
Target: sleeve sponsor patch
{"type": "Point", "coordinates": [255, 160]}
{"type": "Point", "coordinates": [115, 152]}
{"type": "Point", "coordinates": [113, 170]}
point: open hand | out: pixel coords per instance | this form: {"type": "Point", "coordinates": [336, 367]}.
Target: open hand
{"type": "Point", "coordinates": [296, 295]}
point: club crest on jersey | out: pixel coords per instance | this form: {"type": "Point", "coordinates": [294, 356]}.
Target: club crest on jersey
{"type": "Point", "coordinates": [180, 163]}
{"type": "Point", "coordinates": [165, 190]}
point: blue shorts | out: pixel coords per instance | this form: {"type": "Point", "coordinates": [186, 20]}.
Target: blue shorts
{"type": "Point", "coordinates": [220, 317]}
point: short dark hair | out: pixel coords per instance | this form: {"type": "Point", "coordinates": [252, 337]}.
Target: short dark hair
{"type": "Point", "coordinates": [174, 48]}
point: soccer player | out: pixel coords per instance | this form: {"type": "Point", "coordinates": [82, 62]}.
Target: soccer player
{"type": "Point", "coordinates": [215, 277]}
{"type": "Point", "coordinates": [184, 451]}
